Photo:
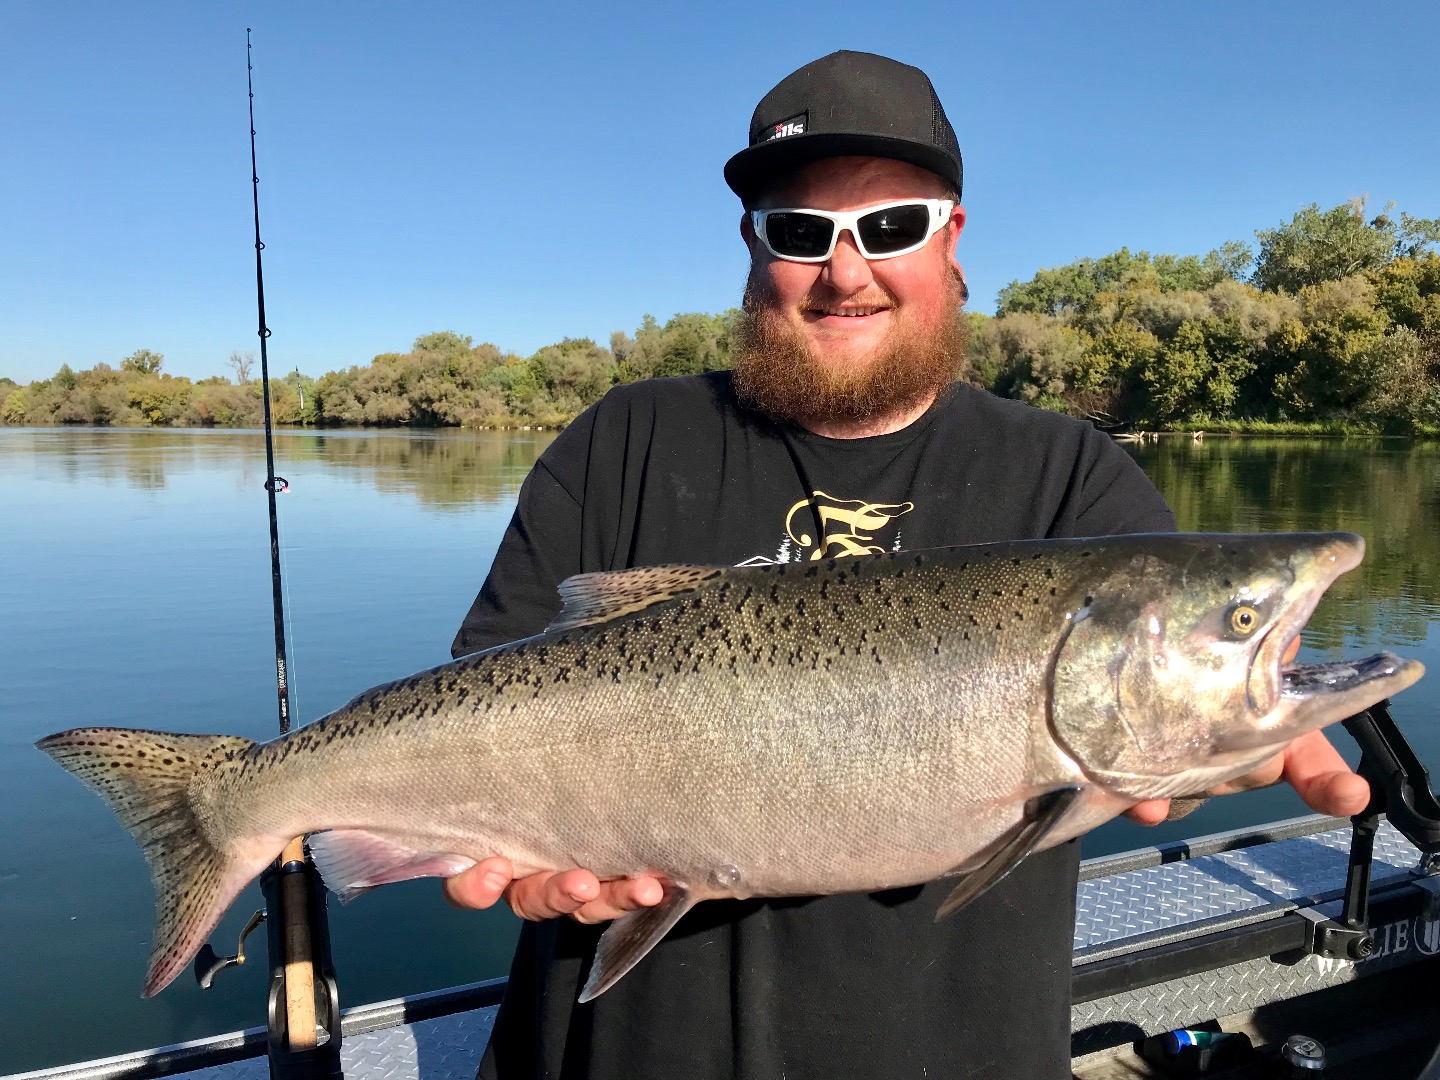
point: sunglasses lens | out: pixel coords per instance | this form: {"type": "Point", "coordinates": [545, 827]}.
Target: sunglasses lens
{"type": "Point", "coordinates": [799, 236]}
{"type": "Point", "coordinates": [894, 228]}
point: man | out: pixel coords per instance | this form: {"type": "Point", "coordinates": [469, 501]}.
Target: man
{"type": "Point", "coordinates": [842, 431]}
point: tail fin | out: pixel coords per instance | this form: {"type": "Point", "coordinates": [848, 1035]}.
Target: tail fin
{"type": "Point", "coordinates": [146, 778]}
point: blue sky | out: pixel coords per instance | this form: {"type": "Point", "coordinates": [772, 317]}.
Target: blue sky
{"type": "Point", "coordinates": [526, 172]}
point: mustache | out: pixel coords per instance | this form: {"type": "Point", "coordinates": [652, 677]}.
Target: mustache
{"type": "Point", "coordinates": [758, 296]}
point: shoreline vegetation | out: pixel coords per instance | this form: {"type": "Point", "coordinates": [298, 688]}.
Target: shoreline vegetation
{"type": "Point", "coordinates": [1329, 326]}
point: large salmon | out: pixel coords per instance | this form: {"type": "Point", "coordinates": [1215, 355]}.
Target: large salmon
{"type": "Point", "coordinates": [797, 729]}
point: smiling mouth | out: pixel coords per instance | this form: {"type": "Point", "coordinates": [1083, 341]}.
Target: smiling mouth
{"type": "Point", "coordinates": [856, 312]}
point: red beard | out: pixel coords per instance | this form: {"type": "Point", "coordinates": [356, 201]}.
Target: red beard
{"type": "Point", "coordinates": [776, 372]}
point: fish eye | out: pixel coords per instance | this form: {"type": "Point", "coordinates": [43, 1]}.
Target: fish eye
{"type": "Point", "coordinates": [1244, 619]}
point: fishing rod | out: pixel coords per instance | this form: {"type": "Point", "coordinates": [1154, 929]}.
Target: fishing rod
{"type": "Point", "coordinates": [303, 1001]}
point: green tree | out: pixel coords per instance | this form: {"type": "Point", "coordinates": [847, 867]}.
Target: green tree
{"type": "Point", "coordinates": [17, 404]}
{"type": "Point", "coordinates": [1316, 246]}
{"type": "Point", "coordinates": [143, 362]}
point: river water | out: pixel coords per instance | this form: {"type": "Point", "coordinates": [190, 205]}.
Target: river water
{"type": "Point", "coordinates": [135, 591]}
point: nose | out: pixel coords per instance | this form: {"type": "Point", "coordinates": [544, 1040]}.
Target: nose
{"type": "Point", "coordinates": [847, 271]}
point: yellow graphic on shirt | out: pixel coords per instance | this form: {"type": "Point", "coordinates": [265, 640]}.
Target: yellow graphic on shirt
{"type": "Point", "coordinates": [848, 525]}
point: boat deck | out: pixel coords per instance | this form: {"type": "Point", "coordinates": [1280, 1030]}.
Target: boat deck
{"type": "Point", "coordinates": [1165, 937]}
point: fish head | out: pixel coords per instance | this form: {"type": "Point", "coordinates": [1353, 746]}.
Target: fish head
{"type": "Point", "coordinates": [1175, 671]}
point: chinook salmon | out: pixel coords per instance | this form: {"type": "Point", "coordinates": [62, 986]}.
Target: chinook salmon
{"type": "Point", "coordinates": [799, 729]}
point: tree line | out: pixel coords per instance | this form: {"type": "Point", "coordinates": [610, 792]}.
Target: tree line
{"type": "Point", "coordinates": [1331, 322]}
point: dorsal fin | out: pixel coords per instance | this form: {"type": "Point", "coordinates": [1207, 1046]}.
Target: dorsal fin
{"type": "Point", "coordinates": [596, 598]}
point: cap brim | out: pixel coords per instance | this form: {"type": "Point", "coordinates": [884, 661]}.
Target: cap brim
{"type": "Point", "coordinates": [749, 171]}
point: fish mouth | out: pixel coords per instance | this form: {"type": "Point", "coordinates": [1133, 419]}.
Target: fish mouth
{"type": "Point", "coordinates": [1300, 682]}
{"type": "Point", "coordinates": [1296, 697]}
{"type": "Point", "coordinates": [1315, 570]}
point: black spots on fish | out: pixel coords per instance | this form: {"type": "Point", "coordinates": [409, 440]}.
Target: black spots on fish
{"type": "Point", "coordinates": [1014, 562]}
{"type": "Point", "coordinates": [1049, 571]}
{"type": "Point", "coordinates": [1225, 583]}
{"type": "Point", "coordinates": [811, 571]}
{"type": "Point", "coordinates": [974, 594]}
{"type": "Point", "coordinates": [1089, 600]}
{"type": "Point", "coordinates": [800, 606]}
{"type": "Point", "coordinates": [1085, 554]}
{"type": "Point", "coordinates": [875, 655]}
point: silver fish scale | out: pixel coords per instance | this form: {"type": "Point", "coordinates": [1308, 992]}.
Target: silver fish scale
{"type": "Point", "coordinates": [838, 700]}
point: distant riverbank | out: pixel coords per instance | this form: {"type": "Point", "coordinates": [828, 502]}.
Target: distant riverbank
{"type": "Point", "coordinates": [1335, 330]}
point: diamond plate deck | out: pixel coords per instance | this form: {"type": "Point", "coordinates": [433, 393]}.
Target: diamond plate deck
{"type": "Point", "coordinates": [445, 1048]}
{"type": "Point", "coordinates": [1142, 908]}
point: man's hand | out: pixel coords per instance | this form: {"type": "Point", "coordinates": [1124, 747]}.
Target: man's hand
{"type": "Point", "coordinates": [1309, 764]}
{"type": "Point", "coordinates": [546, 895]}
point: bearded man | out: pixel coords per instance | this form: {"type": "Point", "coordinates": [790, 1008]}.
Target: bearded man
{"type": "Point", "coordinates": [843, 430]}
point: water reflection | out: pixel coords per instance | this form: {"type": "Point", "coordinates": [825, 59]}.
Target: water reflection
{"type": "Point", "coordinates": [444, 470]}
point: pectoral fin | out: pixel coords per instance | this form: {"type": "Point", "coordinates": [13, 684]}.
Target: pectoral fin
{"type": "Point", "coordinates": [1042, 813]}
{"type": "Point", "coordinates": [631, 936]}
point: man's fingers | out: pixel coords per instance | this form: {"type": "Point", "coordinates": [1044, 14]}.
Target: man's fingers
{"type": "Point", "coordinates": [1267, 774]}
{"type": "Point", "coordinates": [481, 885]}
{"type": "Point", "coordinates": [1340, 794]}
{"type": "Point", "coordinates": [621, 896]}
{"type": "Point", "coordinates": [1317, 771]}
{"type": "Point", "coordinates": [1149, 811]}
{"type": "Point", "coordinates": [547, 895]}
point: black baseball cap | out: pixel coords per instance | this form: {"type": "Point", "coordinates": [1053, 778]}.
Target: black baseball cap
{"type": "Point", "coordinates": [847, 103]}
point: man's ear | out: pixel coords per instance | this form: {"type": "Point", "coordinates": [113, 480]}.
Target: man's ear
{"type": "Point", "coordinates": [747, 230]}
{"type": "Point", "coordinates": [956, 225]}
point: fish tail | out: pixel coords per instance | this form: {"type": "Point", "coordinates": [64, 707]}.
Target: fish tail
{"type": "Point", "coordinates": [147, 778]}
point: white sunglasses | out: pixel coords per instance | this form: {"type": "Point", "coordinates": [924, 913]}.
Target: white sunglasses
{"type": "Point", "coordinates": [880, 232]}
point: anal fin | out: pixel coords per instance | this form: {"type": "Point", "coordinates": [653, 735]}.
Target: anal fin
{"type": "Point", "coordinates": [1042, 813]}
{"type": "Point", "coordinates": [631, 936]}
{"type": "Point", "coordinates": [354, 860]}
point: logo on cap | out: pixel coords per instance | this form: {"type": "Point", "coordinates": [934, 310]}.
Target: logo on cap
{"type": "Point", "coordinates": [794, 125]}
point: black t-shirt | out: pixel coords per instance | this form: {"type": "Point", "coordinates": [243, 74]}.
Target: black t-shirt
{"type": "Point", "coordinates": [675, 470]}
